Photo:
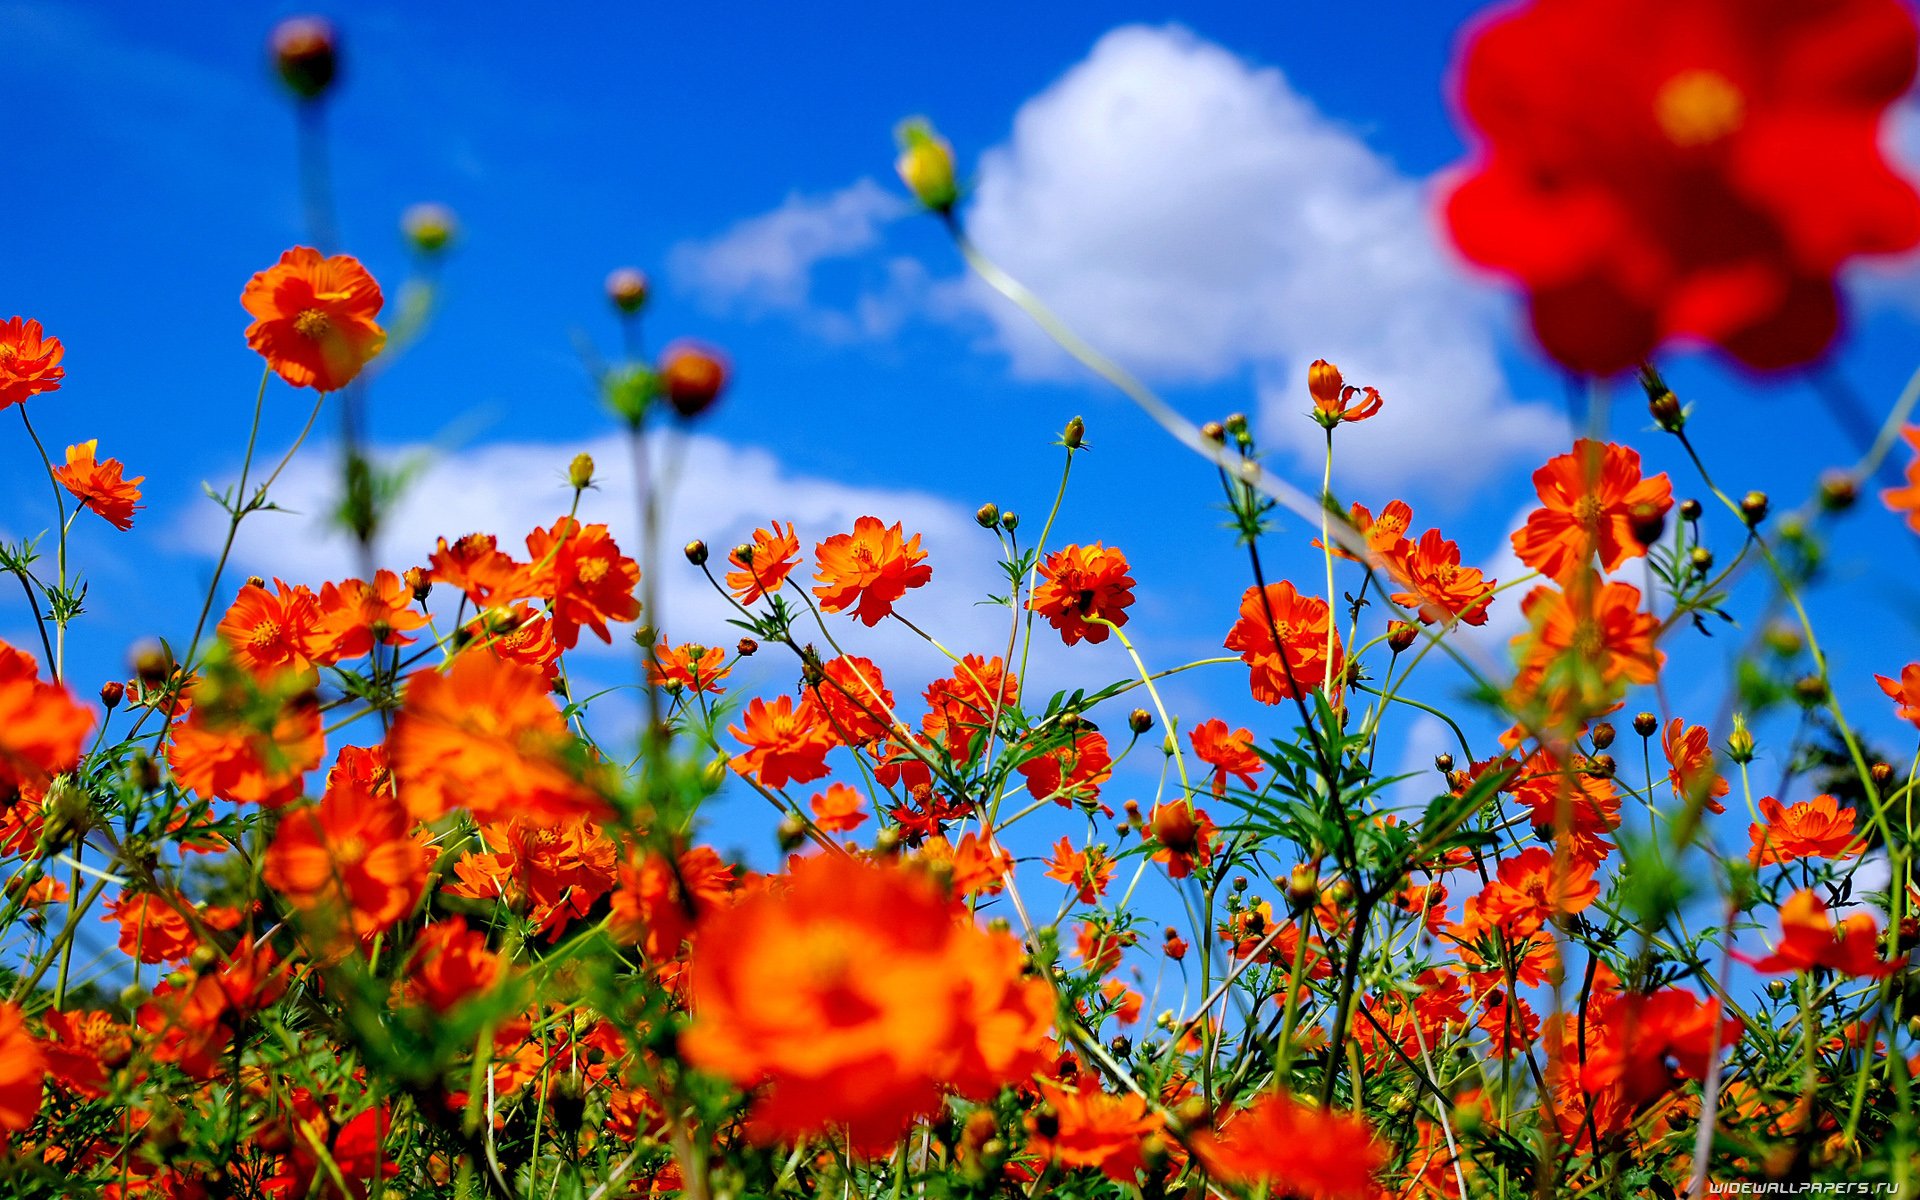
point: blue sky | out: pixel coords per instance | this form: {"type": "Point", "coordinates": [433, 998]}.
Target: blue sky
{"type": "Point", "coordinates": [1216, 193]}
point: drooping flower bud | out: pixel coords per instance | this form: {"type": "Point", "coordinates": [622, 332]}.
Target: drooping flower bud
{"type": "Point", "coordinates": [1400, 636]}
{"type": "Point", "coordinates": [1753, 507]}
{"type": "Point", "coordinates": [1139, 720]}
{"type": "Point", "coordinates": [1645, 724]}
{"type": "Point", "coordinates": [692, 375]}
{"type": "Point", "coordinates": [429, 227]}
{"type": "Point", "coordinates": [306, 54]}
{"type": "Point", "coordinates": [696, 552]}
{"type": "Point", "coordinates": [925, 165]}
{"type": "Point", "coordinates": [988, 516]}
{"type": "Point", "coordinates": [111, 693]}
{"type": "Point", "coordinates": [627, 289]}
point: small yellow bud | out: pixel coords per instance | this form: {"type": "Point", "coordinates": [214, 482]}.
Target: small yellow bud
{"type": "Point", "coordinates": [926, 166]}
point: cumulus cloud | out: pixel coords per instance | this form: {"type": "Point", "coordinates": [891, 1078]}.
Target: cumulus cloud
{"type": "Point", "coordinates": [1198, 218]}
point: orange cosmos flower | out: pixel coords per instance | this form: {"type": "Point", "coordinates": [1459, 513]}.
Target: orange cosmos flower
{"type": "Point", "coordinates": [553, 871]}
{"type": "Point", "coordinates": [41, 728]}
{"type": "Point", "coordinates": [484, 735]}
{"type": "Point", "coordinates": [688, 668]}
{"type": "Point", "coordinates": [274, 631]}
{"type": "Point", "coordinates": [853, 696]}
{"type": "Point", "coordinates": [477, 566]}
{"type": "Point", "coordinates": [1904, 692]}
{"type": "Point", "coordinates": [837, 810]}
{"type": "Point", "coordinates": [1903, 499]}
{"type": "Point", "coordinates": [248, 749]}
{"type": "Point", "coordinates": [22, 1071]}
{"type": "Point", "coordinates": [1439, 588]}
{"type": "Point", "coordinates": [1689, 750]}
{"type": "Point", "coordinates": [1293, 1147]}
{"type": "Point", "coordinates": [1227, 753]}
{"type": "Point", "coordinates": [1597, 627]}
{"type": "Point", "coordinates": [888, 995]}
{"type": "Point", "coordinates": [764, 563]}
{"type": "Point", "coordinates": [1532, 888]}
{"type": "Point", "coordinates": [1587, 497]}
{"type": "Point", "coordinates": [1072, 771]}
{"type": "Point", "coordinates": [1283, 636]}
{"type": "Point", "coordinates": [1083, 583]}
{"type": "Point", "coordinates": [1809, 938]}
{"type": "Point", "coordinates": [450, 963]}
{"type": "Point", "coordinates": [1333, 397]}
{"type": "Point", "coordinates": [977, 865]}
{"type": "Point", "coordinates": [29, 362]}
{"type": "Point", "coordinates": [97, 484]}
{"type": "Point", "coordinates": [658, 899]}
{"type": "Point", "coordinates": [1644, 1045]}
{"type": "Point", "coordinates": [1185, 837]}
{"type": "Point", "coordinates": [352, 858]}
{"type": "Point", "coordinates": [351, 617]}
{"type": "Point", "coordinates": [84, 1049]}
{"type": "Point", "coordinates": [582, 571]}
{"type": "Point", "coordinates": [784, 743]}
{"type": "Point", "coordinates": [313, 318]}
{"type": "Point", "coordinates": [1086, 871]}
{"type": "Point", "coordinates": [1386, 534]}
{"type": "Point", "coordinates": [1816, 828]}
{"type": "Point", "coordinates": [155, 928]}
{"type": "Point", "coordinates": [518, 635]}
{"type": "Point", "coordinates": [960, 707]}
{"type": "Point", "coordinates": [869, 568]}
{"type": "Point", "coordinates": [1088, 1127]}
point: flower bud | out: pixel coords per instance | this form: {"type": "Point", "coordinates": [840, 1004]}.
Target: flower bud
{"type": "Point", "coordinates": [1740, 741]}
{"type": "Point", "coordinates": [1443, 763]}
{"type": "Point", "coordinates": [696, 551]}
{"type": "Point", "coordinates": [1341, 892]}
{"type": "Point", "coordinates": [1646, 522]}
{"type": "Point", "coordinates": [1325, 383]}
{"type": "Point", "coordinates": [747, 648]}
{"type": "Point", "coordinates": [429, 227]}
{"type": "Point", "coordinates": [1753, 508]}
{"type": "Point", "coordinates": [925, 165]}
{"type": "Point", "coordinates": [1303, 885]}
{"type": "Point", "coordinates": [1810, 690]}
{"type": "Point", "coordinates": [419, 582]}
{"type": "Point", "coordinates": [987, 516]}
{"type": "Point", "coordinates": [1690, 510]}
{"type": "Point", "coordinates": [627, 289]}
{"type": "Point", "coordinates": [629, 390]}
{"type": "Point", "coordinates": [1400, 635]}
{"type": "Point", "coordinates": [1702, 559]}
{"type": "Point", "coordinates": [792, 833]}
{"type": "Point", "coordinates": [152, 664]}
{"type": "Point", "coordinates": [1075, 434]}
{"type": "Point", "coordinates": [1236, 428]}
{"type": "Point", "coordinates": [1603, 735]}
{"type": "Point", "coordinates": [1645, 724]}
{"type": "Point", "coordinates": [112, 692]}
{"type": "Point", "coordinates": [887, 841]}
{"type": "Point", "coordinates": [1009, 521]}
{"type": "Point", "coordinates": [1838, 491]}
{"type": "Point", "coordinates": [1214, 431]}
{"type": "Point", "coordinates": [306, 54]}
{"type": "Point", "coordinates": [1139, 720]}
{"type": "Point", "coordinates": [692, 376]}
{"type": "Point", "coordinates": [1602, 766]}
{"type": "Point", "coordinates": [1783, 638]}
{"type": "Point", "coordinates": [580, 472]}
{"type": "Point", "coordinates": [1881, 774]}
{"type": "Point", "coordinates": [1458, 780]}
{"type": "Point", "coordinates": [1667, 412]}
{"type": "Point", "coordinates": [1175, 828]}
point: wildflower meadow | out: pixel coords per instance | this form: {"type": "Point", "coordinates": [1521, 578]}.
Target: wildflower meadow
{"type": "Point", "coordinates": [498, 867]}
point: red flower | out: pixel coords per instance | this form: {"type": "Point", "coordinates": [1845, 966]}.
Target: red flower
{"type": "Point", "coordinates": [691, 668]}
{"type": "Point", "coordinates": [1904, 692]}
{"type": "Point", "coordinates": [1684, 169]}
{"type": "Point", "coordinates": [41, 728]}
{"type": "Point", "coordinates": [1438, 587]}
{"type": "Point", "coordinates": [22, 1070]}
{"type": "Point", "coordinates": [1071, 771]}
{"type": "Point", "coordinates": [869, 568]}
{"type": "Point", "coordinates": [98, 485]}
{"type": "Point", "coordinates": [854, 696]}
{"type": "Point", "coordinates": [274, 631]}
{"type": "Point", "coordinates": [764, 563]}
{"type": "Point", "coordinates": [1816, 828]}
{"type": "Point", "coordinates": [1587, 498]}
{"type": "Point", "coordinates": [1906, 498]}
{"type": "Point", "coordinates": [1227, 753]}
{"type": "Point", "coordinates": [1689, 751]}
{"type": "Point", "coordinates": [1333, 397]}
{"type": "Point", "coordinates": [29, 362]}
{"type": "Point", "coordinates": [1294, 1147]}
{"type": "Point", "coordinates": [784, 743]}
{"type": "Point", "coordinates": [1284, 639]}
{"type": "Point", "coordinates": [960, 707]}
{"type": "Point", "coordinates": [1809, 938]}
{"type": "Point", "coordinates": [1084, 585]}
{"type": "Point", "coordinates": [582, 571]}
{"type": "Point", "coordinates": [450, 962]}
{"type": "Point", "coordinates": [352, 859]}
{"type": "Point", "coordinates": [837, 810]}
{"type": "Point", "coordinates": [1086, 871]}
{"type": "Point", "coordinates": [313, 318]}
{"type": "Point", "coordinates": [353, 616]}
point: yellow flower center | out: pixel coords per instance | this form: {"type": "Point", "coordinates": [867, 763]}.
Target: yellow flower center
{"type": "Point", "coordinates": [1587, 510]}
{"type": "Point", "coordinates": [1587, 641]}
{"type": "Point", "coordinates": [265, 634]}
{"type": "Point", "coordinates": [312, 324]}
{"type": "Point", "coordinates": [349, 850]}
{"type": "Point", "coordinates": [1697, 107]}
{"type": "Point", "coordinates": [592, 570]}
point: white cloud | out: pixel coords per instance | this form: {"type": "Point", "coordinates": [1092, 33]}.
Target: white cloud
{"type": "Point", "coordinates": [1197, 218]}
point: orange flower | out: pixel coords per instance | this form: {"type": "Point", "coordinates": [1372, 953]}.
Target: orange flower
{"type": "Point", "coordinates": [1083, 584]}
{"type": "Point", "coordinates": [1333, 397]}
{"type": "Point", "coordinates": [1086, 871]}
{"type": "Point", "coordinates": [1816, 828]}
{"type": "Point", "coordinates": [784, 743]}
{"type": "Point", "coordinates": [960, 707]}
{"type": "Point", "coordinates": [29, 362]}
{"type": "Point", "coordinates": [1227, 753]}
{"type": "Point", "coordinates": [1439, 588]}
{"type": "Point", "coordinates": [1904, 499]}
{"type": "Point", "coordinates": [1185, 837]}
{"type": "Point", "coordinates": [251, 749]}
{"type": "Point", "coordinates": [484, 735]}
{"type": "Point", "coordinates": [450, 963]}
{"type": "Point", "coordinates": [1386, 534]}
{"type": "Point", "coordinates": [98, 484]}
{"type": "Point", "coordinates": [1072, 771]}
{"type": "Point", "coordinates": [764, 565]}
{"type": "Point", "coordinates": [352, 857]}
{"type": "Point", "coordinates": [351, 617]}
{"type": "Point", "coordinates": [1595, 629]}
{"type": "Point", "coordinates": [477, 566]}
{"type": "Point", "coordinates": [1904, 692]}
{"type": "Point", "coordinates": [1284, 638]}
{"type": "Point", "coordinates": [1294, 1147]}
{"type": "Point", "coordinates": [1809, 938]}
{"type": "Point", "coordinates": [1689, 750]}
{"type": "Point", "coordinates": [582, 571]}
{"type": "Point", "coordinates": [658, 899]}
{"type": "Point", "coordinates": [518, 635]}
{"type": "Point", "coordinates": [313, 318]}
{"type": "Point", "coordinates": [690, 668]}
{"type": "Point", "coordinates": [41, 728]}
{"type": "Point", "coordinates": [22, 1066]}
{"type": "Point", "coordinates": [887, 996]}
{"type": "Point", "coordinates": [1588, 497]}
{"type": "Point", "coordinates": [977, 865]}
{"type": "Point", "coordinates": [84, 1049]}
{"type": "Point", "coordinates": [1088, 1127]}
{"type": "Point", "coordinates": [1532, 888]}
{"type": "Point", "coordinates": [274, 631]}
{"type": "Point", "coordinates": [155, 929]}
{"type": "Point", "coordinates": [871, 567]}
{"type": "Point", "coordinates": [837, 810]}
{"type": "Point", "coordinates": [553, 871]}
{"type": "Point", "coordinates": [1643, 1045]}
{"type": "Point", "coordinates": [853, 696]}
